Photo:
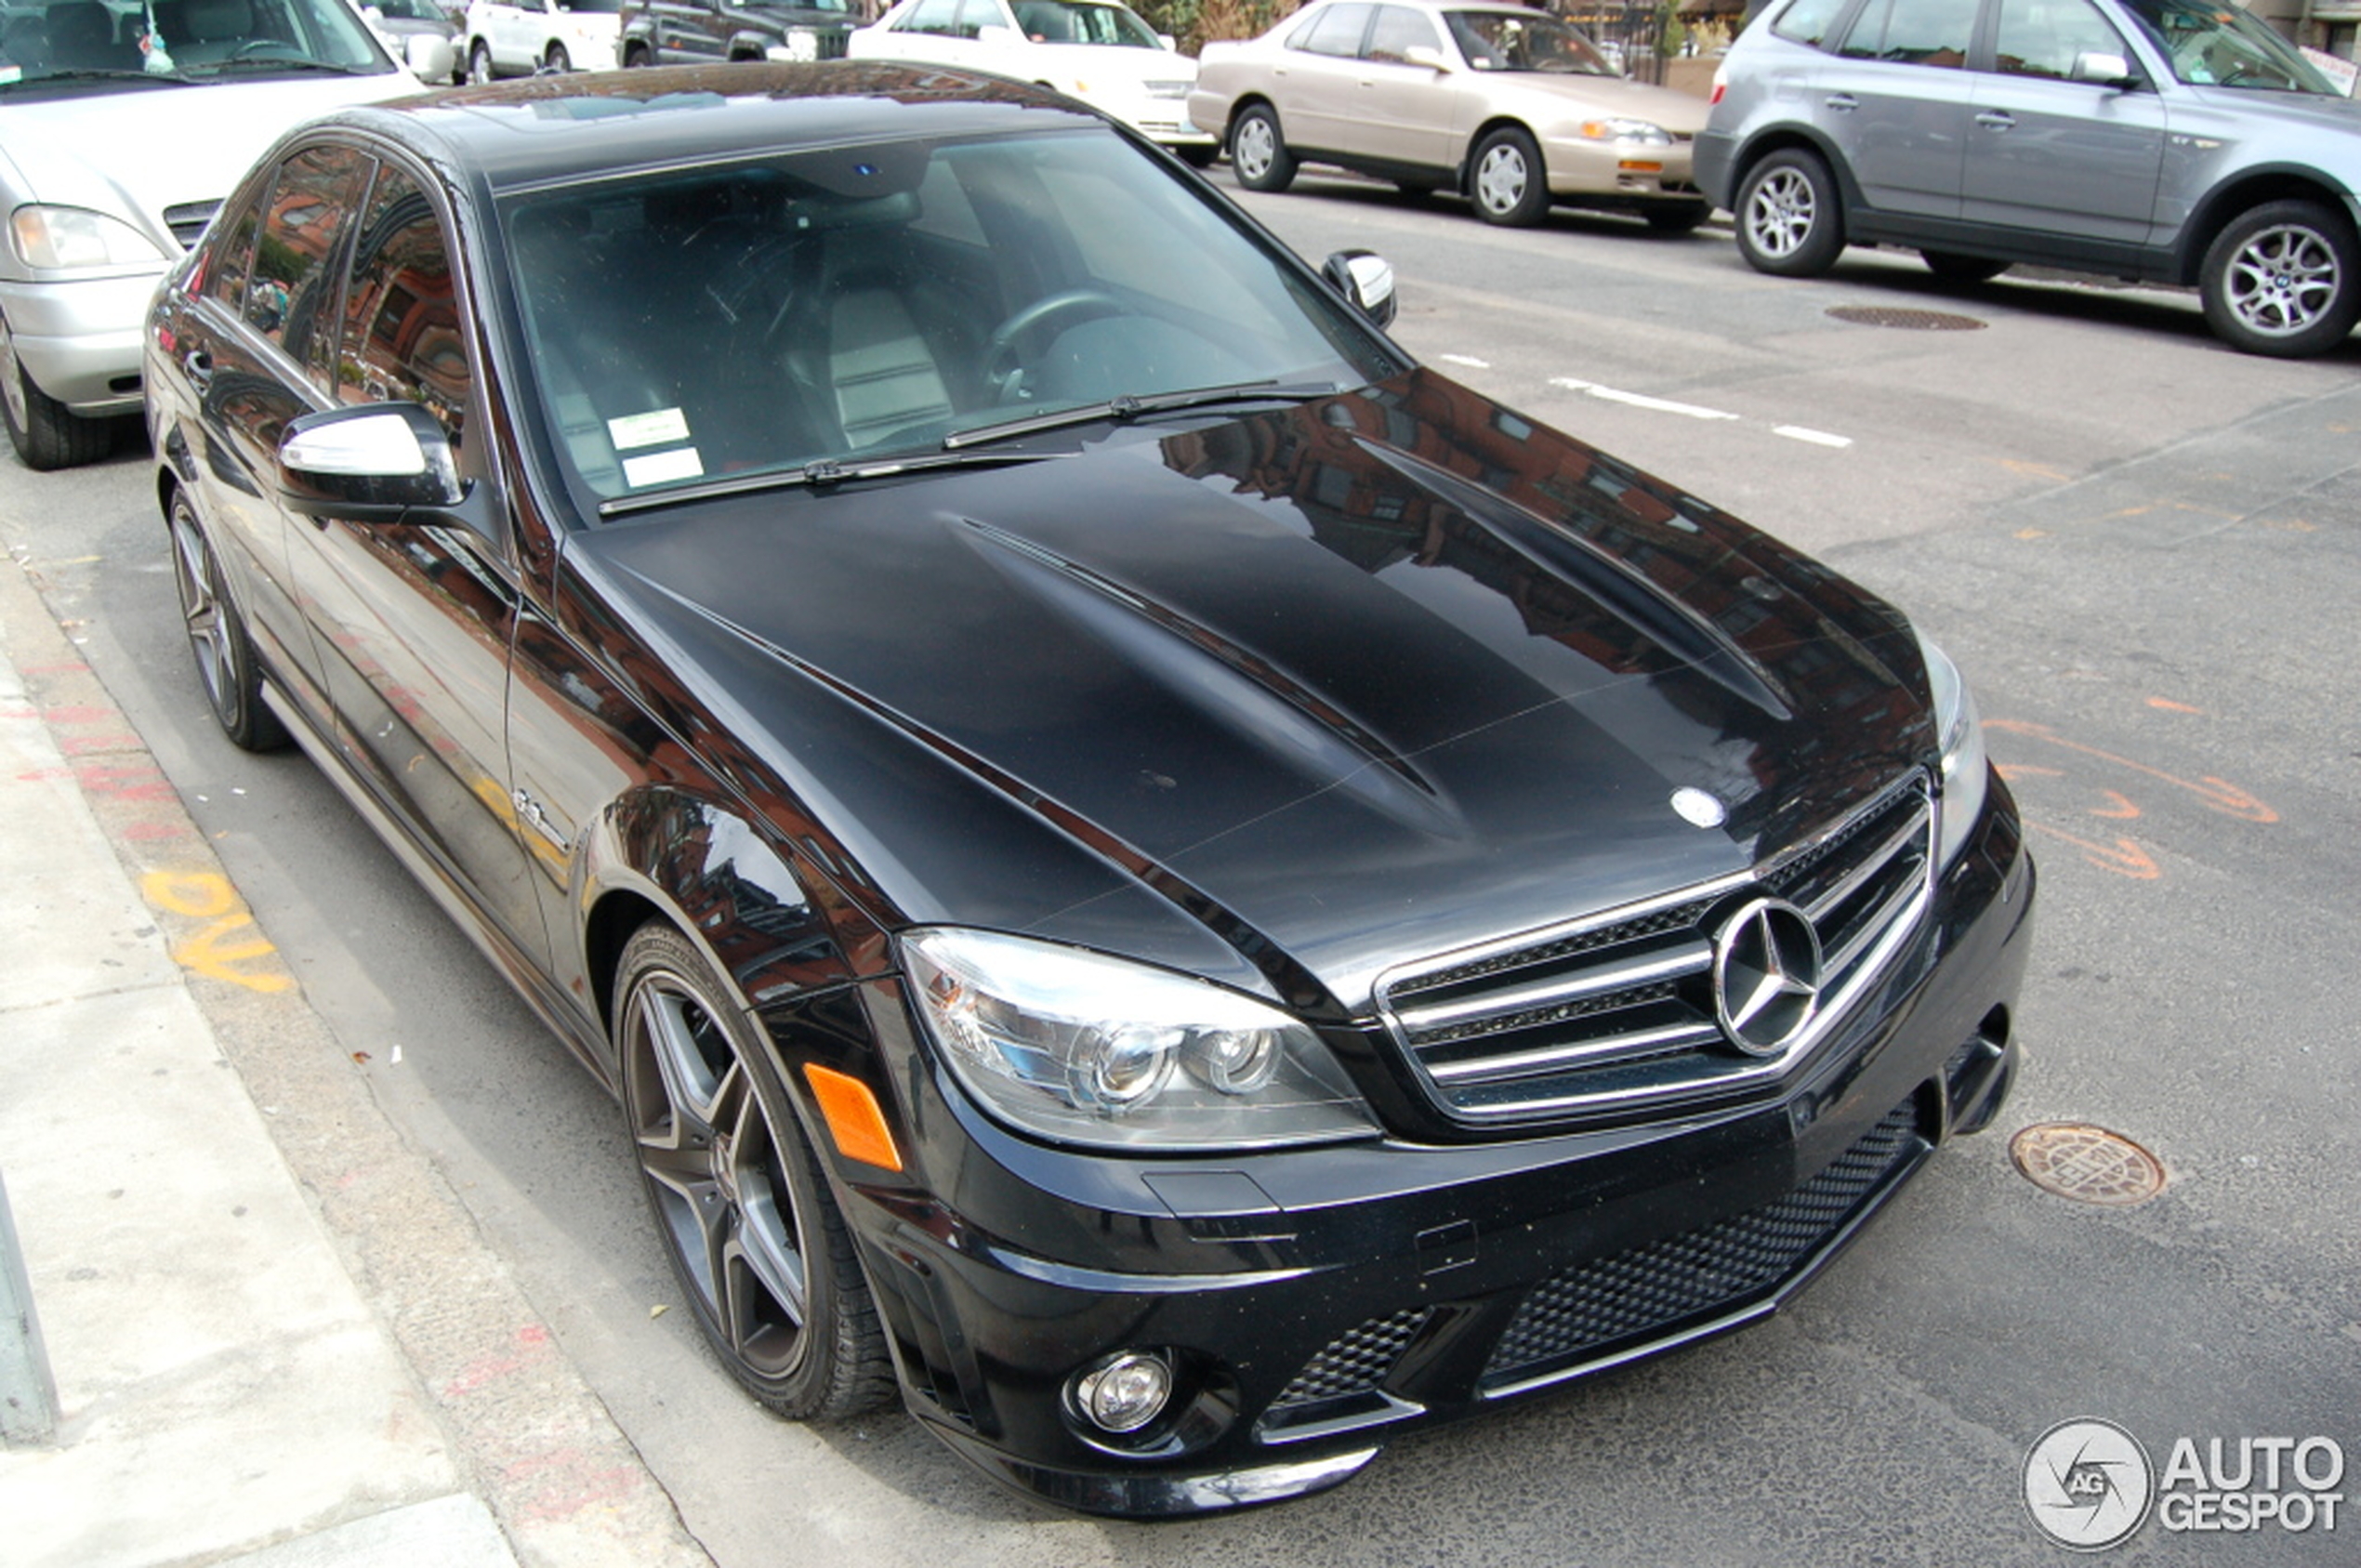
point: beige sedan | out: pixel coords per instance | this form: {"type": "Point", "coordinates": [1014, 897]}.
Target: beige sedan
{"type": "Point", "coordinates": [1511, 106]}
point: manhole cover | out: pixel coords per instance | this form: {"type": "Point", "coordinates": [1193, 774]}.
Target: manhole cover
{"type": "Point", "coordinates": [1909, 320]}
{"type": "Point", "coordinates": [2087, 1164]}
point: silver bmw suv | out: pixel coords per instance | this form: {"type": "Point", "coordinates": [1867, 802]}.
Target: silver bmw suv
{"type": "Point", "coordinates": [2177, 141]}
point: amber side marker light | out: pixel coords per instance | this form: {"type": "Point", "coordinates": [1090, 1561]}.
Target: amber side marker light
{"type": "Point", "coordinates": [855, 1121]}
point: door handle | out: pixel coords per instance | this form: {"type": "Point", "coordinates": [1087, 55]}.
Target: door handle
{"type": "Point", "coordinates": [199, 366]}
{"type": "Point", "coordinates": [1842, 101]}
{"type": "Point", "coordinates": [1997, 120]}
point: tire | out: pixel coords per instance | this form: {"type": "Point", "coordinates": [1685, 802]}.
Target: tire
{"type": "Point", "coordinates": [45, 433]}
{"type": "Point", "coordinates": [2282, 279]}
{"type": "Point", "coordinates": [226, 668]}
{"type": "Point", "coordinates": [636, 58]}
{"type": "Point", "coordinates": [1259, 153]}
{"type": "Point", "coordinates": [1509, 181]}
{"type": "Point", "coordinates": [1953, 268]}
{"type": "Point", "coordinates": [557, 63]}
{"type": "Point", "coordinates": [480, 63]}
{"type": "Point", "coordinates": [739, 1199]}
{"type": "Point", "coordinates": [1791, 218]}
{"type": "Point", "coordinates": [1676, 218]}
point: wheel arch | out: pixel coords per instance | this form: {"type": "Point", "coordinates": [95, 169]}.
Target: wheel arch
{"type": "Point", "coordinates": [1466, 185]}
{"type": "Point", "coordinates": [1238, 109]}
{"type": "Point", "coordinates": [2221, 207]}
{"type": "Point", "coordinates": [1784, 138]}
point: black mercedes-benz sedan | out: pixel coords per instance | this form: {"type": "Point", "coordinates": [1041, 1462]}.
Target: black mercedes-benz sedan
{"type": "Point", "coordinates": [1176, 888]}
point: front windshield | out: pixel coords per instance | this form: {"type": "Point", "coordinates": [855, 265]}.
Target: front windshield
{"type": "Point", "coordinates": [849, 304]}
{"type": "Point", "coordinates": [181, 40]}
{"type": "Point", "coordinates": [1063, 21]}
{"type": "Point", "coordinates": [1525, 41]}
{"type": "Point", "coordinates": [2212, 43]}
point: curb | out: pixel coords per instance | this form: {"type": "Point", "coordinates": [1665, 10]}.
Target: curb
{"type": "Point", "coordinates": [566, 1486]}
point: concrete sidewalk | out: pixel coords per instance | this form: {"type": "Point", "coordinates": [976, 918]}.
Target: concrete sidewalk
{"type": "Point", "coordinates": [276, 1335]}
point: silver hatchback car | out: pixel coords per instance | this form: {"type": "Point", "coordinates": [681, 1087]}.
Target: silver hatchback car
{"type": "Point", "coordinates": [2177, 141]}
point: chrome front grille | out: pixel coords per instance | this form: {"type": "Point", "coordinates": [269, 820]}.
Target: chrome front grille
{"type": "Point", "coordinates": [188, 220]}
{"type": "Point", "coordinates": [1618, 1012]}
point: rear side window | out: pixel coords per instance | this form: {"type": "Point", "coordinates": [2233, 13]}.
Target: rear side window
{"type": "Point", "coordinates": [1335, 30]}
{"type": "Point", "coordinates": [402, 341]}
{"type": "Point", "coordinates": [232, 247]}
{"type": "Point", "coordinates": [1808, 22]}
{"type": "Point", "coordinates": [1399, 30]}
{"type": "Point", "coordinates": [1913, 32]}
{"type": "Point", "coordinates": [291, 296]}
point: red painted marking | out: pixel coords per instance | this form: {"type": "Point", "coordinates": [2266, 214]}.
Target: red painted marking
{"type": "Point", "coordinates": [2013, 771]}
{"type": "Point", "coordinates": [2218, 794]}
{"type": "Point", "coordinates": [84, 713]}
{"type": "Point", "coordinates": [84, 746]}
{"type": "Point", "coordinates": [150, 830]}
{"type": "Point", "coordinates": [486, 1370]}
{"type": "Point", "coordinates": [18, 713]}
{"type": "Point", "coordinates": [2122, 810]}
{"type": "Point", "coordinates": [2123, 857]}
{"type": "Point", "coordinates": [2167, 704]}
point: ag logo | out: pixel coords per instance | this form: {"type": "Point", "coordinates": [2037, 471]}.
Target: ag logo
{"type": "Point", "coordinates": [2087, 1485]}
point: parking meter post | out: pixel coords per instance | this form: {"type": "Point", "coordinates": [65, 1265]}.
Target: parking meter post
{"type": "Point", "coordinates": [28, 1393]}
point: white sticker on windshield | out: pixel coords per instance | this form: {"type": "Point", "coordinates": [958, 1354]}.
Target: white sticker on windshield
{"type": "Point", "coordinates": [10, 73]}
{"type": "Point", "coordinates": [652, 429]}
{"type": "Point", "coordinates": [662, 468]}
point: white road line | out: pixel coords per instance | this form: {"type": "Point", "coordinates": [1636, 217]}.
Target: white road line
{"type": "Point", "coordinates": [1637, 400]}
{"type": "Point", "coordinates": [1817, 438]}
{"type": "Point", "coordinates": [1468, 359]}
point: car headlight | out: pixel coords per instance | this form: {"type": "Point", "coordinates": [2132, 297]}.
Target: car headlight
{"type": "Point", "coordinates": [1085, 1048]}
{"type": "Point", "coordinates": [802, 44]}
{"type": "Point", "coordinates": [1645, 133]}
{"type": "Point", "coordinates": [66, 237]}
{"type": "Point", "coordinates": [1965, 767]}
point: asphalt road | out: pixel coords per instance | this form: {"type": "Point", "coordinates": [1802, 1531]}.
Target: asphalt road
{"type": "Point", "coordinates": [2145, 552]}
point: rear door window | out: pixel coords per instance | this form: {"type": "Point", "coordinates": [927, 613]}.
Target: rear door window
{"type": "Point", "coordinates": [1932, 32]}
{"type": "Point", "coordinates": [290, 298]}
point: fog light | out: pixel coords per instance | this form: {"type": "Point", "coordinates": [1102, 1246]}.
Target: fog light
{"type": "Point", "coordinates": [1124, 1393]}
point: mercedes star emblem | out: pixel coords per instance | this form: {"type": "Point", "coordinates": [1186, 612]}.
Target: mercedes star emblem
{"type": "Point", "coordinates": [1766, 976]}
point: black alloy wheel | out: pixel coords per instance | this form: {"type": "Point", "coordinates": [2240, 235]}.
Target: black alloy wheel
{"type": "Point", "coordinates": [752, 1234]}
{"type": "Point", "coordinates": [1790, 220]}
{"type": "Point", "coordinates": [2282, 279]}
{"type": "Point", "coordinates": [45, 433]}
{"type": "Point", "coordinates": [217, 639]}
{"type": "Point", "coordinates": [1507, 179]}
{"type": "Point", "coordinates": [1259, 154]}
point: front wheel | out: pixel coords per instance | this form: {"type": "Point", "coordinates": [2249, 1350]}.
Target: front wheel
{"type": "Point", "coordinates": [1258, 152]}
{"type": "Point", "coordinates": [1790, 221]}
{"type": "Point", "coordinates": [557, 63]}
{"type": "Point", "coordinates": [739, 1199]}
{"type": "Point", "coordinates": [2283, 280]}
{"type": "Point", "coordinates": [1507, 179]}
{"type": "Point", "coordinates": [217, 634]}
{"type": "Point", "coordinates": [480, 63]}
{"type": "Point", "coordinates": [45, 433]}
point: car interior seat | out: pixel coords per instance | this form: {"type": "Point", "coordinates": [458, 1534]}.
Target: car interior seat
{"type": "Point", "coordinates": [82, 38]}
{"type": "Point", "coordinates": [205, 32]}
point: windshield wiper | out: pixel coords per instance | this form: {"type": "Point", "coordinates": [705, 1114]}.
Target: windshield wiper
{"type": "Point", "coordinates": [265, 62]}
{"type": "Point", "coordinates": [825, 474]}
{"type": "Point", "coordinates": [98, 73]}
{"type": "Point", "coordinates": [1124, 409]}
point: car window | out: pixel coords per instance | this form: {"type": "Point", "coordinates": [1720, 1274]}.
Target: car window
{"type": "Point", "coordinates": [1808, 22]}
{"type": "Point", "coordinates": [939, 16]}
{"type": "Point", "coordinates": [812, 307]}
{"type": "Point", "coordinates": [290, 298]}
{"type": "Point", "coordinates": [2213, 44]}
{"type": "Point", "coordinates": [402, 336]}
{"type": "Point", "coordinates": [1913, 32]}
{"type": "Point", "coordinates": [1063, 21]}
{"type": "Point", "coordinates": [231, 248]}
{"type": "Point", "coordinates": [1398, 30]}
{"type": "Point", "coordinates": [2045, 37]}
{"type": "Point", "coordinates": [1334, 29]}
{"type": "Point", "coordinates": [1525, 41]}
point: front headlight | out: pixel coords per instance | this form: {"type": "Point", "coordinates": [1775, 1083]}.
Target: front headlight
{"type": "Point", "coordinates": [64, 237]}
{"type": "Point", "coordinates": [1085, 1048]}
{"type": "Point", "coordinates": [1965, 767]}
{"type": "Point", "coordinates": [1645, 133]}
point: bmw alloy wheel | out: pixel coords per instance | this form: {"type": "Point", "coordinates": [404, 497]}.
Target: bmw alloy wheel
{"type": "Point", "coordinates": [2282, 279]}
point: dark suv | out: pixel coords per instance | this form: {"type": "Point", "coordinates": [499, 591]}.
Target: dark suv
{"type": "Point", "coordinates": [2176, 141]}
{"type": "Point", "coordinates": [689, 31]}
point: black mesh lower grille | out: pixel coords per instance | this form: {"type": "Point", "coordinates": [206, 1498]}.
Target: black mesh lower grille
{"type": "Point", "coordinates": [1355, 1362]}
{"type": "Point", "coordinates": [1718, 1266]}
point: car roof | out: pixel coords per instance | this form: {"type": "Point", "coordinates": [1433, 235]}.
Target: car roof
{"type": "Point", "coordinates": [547, 129]}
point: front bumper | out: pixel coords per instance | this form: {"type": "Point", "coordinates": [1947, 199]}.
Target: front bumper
{"type": "Point", "coordinates": [1586, 171]}
{"type": "Point", "coordinates": [80, 340]}
{"type": "Point", "coordinates": [1314, 1302]}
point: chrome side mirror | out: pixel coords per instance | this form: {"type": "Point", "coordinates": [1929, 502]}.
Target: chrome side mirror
{"type": "Point", "coordinates": [368, 464]}
{"type": "Point", "coordinates": [1365, 279]}
{"type": "Point", "coordinates": [2109, 71]}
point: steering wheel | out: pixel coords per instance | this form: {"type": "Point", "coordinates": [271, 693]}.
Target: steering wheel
{"type": "Point", "coordinates": [253, 49]}
{"type": "Point", "coordinates": [1003, 360]}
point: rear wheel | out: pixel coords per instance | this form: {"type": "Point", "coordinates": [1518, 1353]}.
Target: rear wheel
{"type": "Point", "coordinates": [1507, 179]}
{"type": "Point", "coordinates": [2282, 279]}
{"type": "Point", "coordinates": [1258, 152]}
{"type": "Point", "coordinates": [1790, 221]}
{"type": "Point", "coordinates": [1951, 267]}
{"type": "Point", "coordinates": [480, 62]}
{"type": "Point", "coordinates": [217, 634]}
{"type": "Point", "coordinates": [636, 57]}
{"type": "Point", "coordinates": [739, 1199]}
{"type": "Point", "coordinates": [45, 433]}
{"type": "Point", "coordinates": [557, 63]}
